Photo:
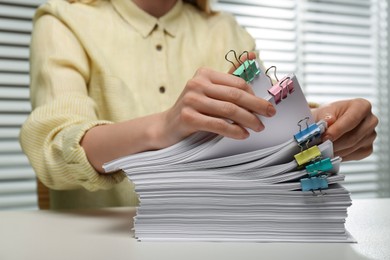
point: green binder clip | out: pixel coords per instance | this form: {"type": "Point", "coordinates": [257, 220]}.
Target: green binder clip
{"type": "Point", "coordinates": [247, 70]}
{"type": "Point", "coordinates": [322, 166]}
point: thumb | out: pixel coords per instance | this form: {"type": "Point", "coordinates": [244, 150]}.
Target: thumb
{"type": "Point", "coordinates": [329, 118]}
{"type": "Point", "coordinates": [325, 113]}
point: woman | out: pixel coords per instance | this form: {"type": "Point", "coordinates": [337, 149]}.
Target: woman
{"type": "Point", "coordinates": [112, 78]}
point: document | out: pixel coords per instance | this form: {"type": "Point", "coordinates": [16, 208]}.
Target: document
{"type": "Point", "coordinates": [279, 185]}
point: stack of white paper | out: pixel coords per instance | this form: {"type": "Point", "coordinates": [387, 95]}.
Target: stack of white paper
{"type": "Point", "coordinates": [210, 188]}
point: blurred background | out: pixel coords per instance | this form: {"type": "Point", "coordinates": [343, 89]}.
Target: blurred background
{"type": "Point", "coordinates": [337, 48]}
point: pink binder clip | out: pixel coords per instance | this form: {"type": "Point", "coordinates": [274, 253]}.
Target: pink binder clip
{"type": "Point", "coordinates": [280, 90]}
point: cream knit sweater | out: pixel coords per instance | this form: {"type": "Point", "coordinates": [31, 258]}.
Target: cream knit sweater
{"type": "Point", "coordinates": [108, 62]}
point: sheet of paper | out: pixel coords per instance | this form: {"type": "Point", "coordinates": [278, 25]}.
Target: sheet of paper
{"type": "Point", "coordinates": [278, 128]}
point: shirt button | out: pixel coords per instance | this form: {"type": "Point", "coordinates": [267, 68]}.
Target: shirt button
{"type": "Point", "coordinates": [162, 89]}
{"type": "Point", "coordinates": [159, 47]}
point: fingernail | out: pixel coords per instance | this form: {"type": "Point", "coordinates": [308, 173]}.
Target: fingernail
{"type": "Point", "coordinates": [259, 128]}
{"type": "Point", "coordinates": [328, 117]}
{"type": "Point", "coordinates": [271, 111]}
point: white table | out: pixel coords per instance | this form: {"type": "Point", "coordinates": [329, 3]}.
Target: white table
{"type": "Point", "coordinates": [105, 234]}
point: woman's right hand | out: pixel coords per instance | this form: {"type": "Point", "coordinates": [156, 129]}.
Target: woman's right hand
{"type": "Point", "coordinates": [215, 102]}
{"type": "Point", "coordinates": [211, 101]}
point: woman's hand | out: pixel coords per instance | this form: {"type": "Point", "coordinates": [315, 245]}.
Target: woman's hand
{"type": "Point", "coordinates": [351, 127]}
{"type": "Point", "coordinates": [211, 101]}
{"type": "Point", "coordinates": [215, 102]}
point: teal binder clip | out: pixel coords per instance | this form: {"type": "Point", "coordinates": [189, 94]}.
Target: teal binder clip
{"type": "Point", "coordinates": [314, 183]}
{"type": "Point", "coordinates": [247, 70]}
{"type": "Point", "coordinates": [322, 166]}
{"type": "Point", "coordinates": [308, 134]}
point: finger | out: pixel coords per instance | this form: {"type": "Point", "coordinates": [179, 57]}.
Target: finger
{"type": "Point", "coordinates": [328, 117]}
{"type": "Point", "coordinates": [355, 136]}
{"type": "Point", "coordinates": [364, 143]}
{"type": "Point", "coordinates": [344, 124]}
{"type": "Point", "coordinates": [223, 109]}
{"type": "Point", "coordinates": [242, 99]}
{"type": "Point", "coordinates": [201, 122]}
{"type": "Point", "coordinates": [218, 78]}
{"type": "Point", "coordinates": [356, 155]}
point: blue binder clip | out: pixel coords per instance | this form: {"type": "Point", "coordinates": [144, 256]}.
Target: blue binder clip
{"type": "Point", "coordinates": [308, 134]}
{"type": "Point", "coordinates": [280, 90]}
{"type": "Point", "coordinates": [317, 167]}
{"type": "Point", "coordinates": [314, 183]}
{"type": "Point", "coordinates": [247, 70]}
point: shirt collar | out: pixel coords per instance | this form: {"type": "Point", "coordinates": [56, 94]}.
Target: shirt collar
{"type": "Point", "coordinates": [145, 23]}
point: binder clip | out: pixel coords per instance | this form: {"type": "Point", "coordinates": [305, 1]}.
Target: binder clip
{"type": "Point", "coordinates": [247, 70]}
{"type": "Point", "coordinates": [317, 167]}
{"type": "Point", "coordinates": [308, 155]}
{"type": "Point", "coordinates": [280, 90]}
{"type": "Point", "coordinates": [308, 134]}
{"type": "Point", "coordinates": [276, 77]}
{"type": "Point", "coordinates": [314, 183]}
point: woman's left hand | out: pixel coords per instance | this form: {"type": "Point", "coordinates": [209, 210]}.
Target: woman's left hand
{"type": "Point", "coordinates": [351, 127]}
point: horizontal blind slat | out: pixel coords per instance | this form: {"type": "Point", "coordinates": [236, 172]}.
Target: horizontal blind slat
{"type": "Point", "coordinates": [13, 106]}
{"type": "Point", "coordinates": [343, 80]}
{"type": "Point", "coordinates": [19, 12]}
{"type": "Point", "coordinates": [335, 19]}
{"type": "Point", "coordinates": [350, 9]}
{"type": "Point", "coordinates": [285, 46]}
{"type": "Point", "coordinates": [12, 120]}
{"type": "Point", "coordinates": [10, 146]}
{"type": "Point", "coordinates": [267, 12]}
{"type": "Point", "coordinates": [9, 38]}
{"type": "Point", "coordinates": [14, 66]}
{"type": "Point", "coordinates": [336, 29]}
{"type": "Point", "coordinates": [18, 201]}
{"type": "Point", "coordinates": [277, 56]}
{"type": "Point", "coordinates": [268, 23]}
{"type": "Point", "coordinates": [272, 34]}
{"type": "Point", "coordinates": [15, 25]}
{"type": "Point", "coordinates": [16, 173]}
{"type": "Point", "coordinates": [352, 2]}
{"type": "Point", "coordinates": [26, 3]}
{"type": "Point", "coordinates": [334, 59]}
{"type": "Point", "coordinates": [14, 79]}
{"type": "Point", "coordinates": [275, 3]}
{"type": "Point", "coordinates": [337, 39]}
{"type": "Point", "coordinates": [329, 98]}
{"type": "Point", "coordinates": [336, 49]}
{"type": "Point", "coordinates": [13, 160]}
{"type": "Point", "coordinates": [338, 69]}
{"type": "Point", "coordinates": [9, 132]}
{"type": "Point", "coordinates": [17, 187]}
{"type": "Point", "coordinates": [14, 52]}
{"type": "Point", "coordinates": [14, 92]}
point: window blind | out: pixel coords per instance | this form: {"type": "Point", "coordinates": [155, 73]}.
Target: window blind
{"type": "Point", "coordinates": [17, 179]}
{"type": "Point", "coordinates": [338, 51]}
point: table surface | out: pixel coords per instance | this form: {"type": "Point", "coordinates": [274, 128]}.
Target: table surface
{"type": "Point", "coordinates": [106, 234]}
